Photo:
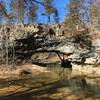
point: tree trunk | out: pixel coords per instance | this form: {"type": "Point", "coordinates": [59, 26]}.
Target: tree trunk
{"type": "Point", "coordinates": [49, 19]}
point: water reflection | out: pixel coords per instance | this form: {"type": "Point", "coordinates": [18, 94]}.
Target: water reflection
{"type": "Point", "coordinates": [64, 73]}
{"type": "Point", "coordinates": [84, 82]}
{"type": "Point", "coordinates": [59, 84]}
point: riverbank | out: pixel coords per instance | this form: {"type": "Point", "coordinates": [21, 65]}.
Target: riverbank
{"type": "Point", "coordinates": [88, 70]}
{"type": "Point", "coordinates": [7, 72]}
{"type": "Point", "coordinates": [44, 84]}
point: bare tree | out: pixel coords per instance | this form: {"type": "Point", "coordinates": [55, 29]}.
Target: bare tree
{"type": "Point", "coordinates": [18, 9]}
{"type": "Point", "coordinates": [74, 17]}
{"type": "Point", "coordinates": [32, 12]}
{"type": "Point", "coordinates": [94, 13]}
{"type": "Point", "coordinates": [49, 8]}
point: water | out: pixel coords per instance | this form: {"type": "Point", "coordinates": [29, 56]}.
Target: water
{"type": "Point", "coordinates": [54, 85]}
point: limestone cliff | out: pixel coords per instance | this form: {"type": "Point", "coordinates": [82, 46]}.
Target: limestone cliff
{"type": "Point", "coordinates": [22, 41]}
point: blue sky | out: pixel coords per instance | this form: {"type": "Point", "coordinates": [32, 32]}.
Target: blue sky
{"type": "Point", "coordinates": [59, 4]}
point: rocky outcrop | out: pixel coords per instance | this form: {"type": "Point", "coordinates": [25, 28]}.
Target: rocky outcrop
{"type": "Point", "coordinates": [25, 40]}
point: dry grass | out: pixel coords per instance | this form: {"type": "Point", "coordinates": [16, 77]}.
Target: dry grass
{"type": "Point", "coordinates": [11, 89]}
{"type": "Point", "coordinates": [6, 72]}
{"type": "Point", "coordinates": [88, 71]}
{"type": "Point", "coordinates": [51, 90]}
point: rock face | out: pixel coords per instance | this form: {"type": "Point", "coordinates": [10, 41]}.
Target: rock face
{"type": "Point", "coordinates": [96, 43]}
{"type": "Point", "coordinates": [66, 48]}
{"type": "Point", "coordinates": [22, 41]}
